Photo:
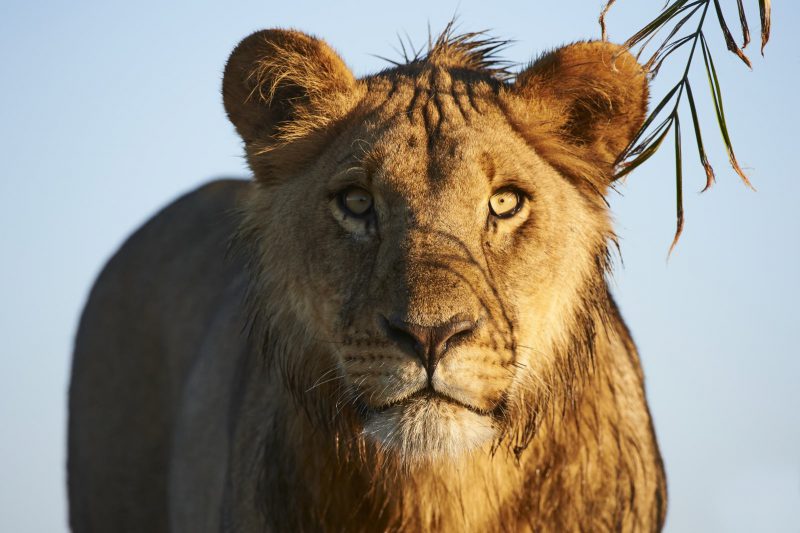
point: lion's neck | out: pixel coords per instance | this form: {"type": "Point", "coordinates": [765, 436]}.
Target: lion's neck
{"type": "Point", "coordinates": [583, 464]}
{"type": "Point", "coordinates": [351, 493]}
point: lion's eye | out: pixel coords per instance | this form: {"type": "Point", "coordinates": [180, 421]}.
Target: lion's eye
{"type": "Point", "coordinates": [505, 203]}
{"type": "Point", "coordinates": [356, 201]}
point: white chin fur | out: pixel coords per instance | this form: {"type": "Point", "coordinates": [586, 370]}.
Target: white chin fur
{"type": "Point", "coordinates": [429, 429]}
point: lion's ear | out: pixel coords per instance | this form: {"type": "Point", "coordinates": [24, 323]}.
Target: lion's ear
{"type": "Point", "coordinates": [593, 96]}
{"type": "Point", "coordinates": [282, 84]}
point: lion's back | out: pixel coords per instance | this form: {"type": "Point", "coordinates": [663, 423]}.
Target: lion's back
{"type": "Point", "coordinates": [145, 320]}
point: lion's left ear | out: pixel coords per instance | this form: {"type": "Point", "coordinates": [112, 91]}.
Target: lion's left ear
{"type": "Point", "coordinates": [591, 95]}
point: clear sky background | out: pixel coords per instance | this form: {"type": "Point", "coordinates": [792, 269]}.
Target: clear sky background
{"type": "Point", "coordinates": [109, 110]}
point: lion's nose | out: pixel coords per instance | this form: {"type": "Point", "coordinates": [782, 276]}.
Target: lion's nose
{"type": "Point", "coordinates": [429, 342]}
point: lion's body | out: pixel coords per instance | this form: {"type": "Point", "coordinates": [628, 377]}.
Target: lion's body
{"type": "Point", "coordinates": [164, 297]}
{"type": "Point", "coordinates": [260, 357]}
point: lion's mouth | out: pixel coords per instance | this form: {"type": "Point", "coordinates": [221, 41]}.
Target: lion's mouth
{"type": "Point", "coordinates": [429, 423]}
{"type": "Point", "coordinates": [428, 394]}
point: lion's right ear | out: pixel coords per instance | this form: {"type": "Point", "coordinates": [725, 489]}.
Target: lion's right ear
{"type": "Point", "coordinates": [580, 106]}
{"type": "Point", "coordinates": [280, 85]}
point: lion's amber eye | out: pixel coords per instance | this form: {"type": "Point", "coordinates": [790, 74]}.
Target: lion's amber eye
{"type": "Point", "coordinates": [505, 203]}
{"type": "Point", "coordinates": [356, 201]}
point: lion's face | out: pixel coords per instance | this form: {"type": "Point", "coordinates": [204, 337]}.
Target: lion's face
{"type": "Point", "coordinates": [435, 261]}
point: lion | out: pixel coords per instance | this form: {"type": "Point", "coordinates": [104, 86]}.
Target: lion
{"type": "Point", "coordinates": [401, 323]}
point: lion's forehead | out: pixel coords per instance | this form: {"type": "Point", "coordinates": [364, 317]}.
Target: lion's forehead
{"type": "Point", "coordinates": [437, 97]}
{"type": "Point", "coordinates": [433, 134]}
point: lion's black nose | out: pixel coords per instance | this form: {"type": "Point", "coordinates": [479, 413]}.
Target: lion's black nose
{"type": "Point", "coordinates": [429, 342]}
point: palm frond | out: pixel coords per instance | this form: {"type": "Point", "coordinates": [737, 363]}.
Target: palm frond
{"type": "Point", "coordinates": [764, 9]}
{"type": "Point", "coordinates": [731, 44]}
{"type": "Point", "coordinates": [671, 21]}
{"type": "Point", "coordinates": [743, 22]}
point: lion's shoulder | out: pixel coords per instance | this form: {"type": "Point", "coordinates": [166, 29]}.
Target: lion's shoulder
{"type": "Point", "coordinates": [153, 307]}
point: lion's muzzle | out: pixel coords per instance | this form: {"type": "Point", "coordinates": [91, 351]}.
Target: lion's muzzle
{"type": "Point", "coordinates": [426, 390]}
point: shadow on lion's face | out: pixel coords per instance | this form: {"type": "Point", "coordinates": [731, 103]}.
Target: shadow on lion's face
{"type": "Point", "coordinates": [429, 271]}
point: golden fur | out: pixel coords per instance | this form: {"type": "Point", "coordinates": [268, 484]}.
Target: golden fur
{"type": "Point", "coordinates": [290, 383]}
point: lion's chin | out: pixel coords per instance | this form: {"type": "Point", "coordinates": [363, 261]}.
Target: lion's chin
{"type": "Point", "coordinates": [422, 429]}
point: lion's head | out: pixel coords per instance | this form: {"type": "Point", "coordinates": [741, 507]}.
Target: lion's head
{"type": "Point", "coordinates": [429, 242]}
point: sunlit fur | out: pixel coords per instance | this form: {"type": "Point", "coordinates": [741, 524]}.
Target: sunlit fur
{"type": "Point", "coordinates": [535, 419]}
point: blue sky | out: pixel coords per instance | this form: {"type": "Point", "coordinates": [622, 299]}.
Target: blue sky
{"type": "Point", "coordinates": [111, 109]}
